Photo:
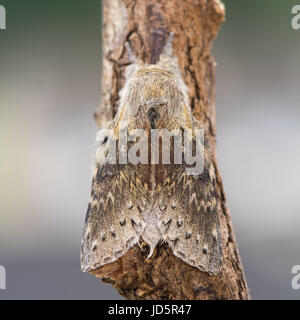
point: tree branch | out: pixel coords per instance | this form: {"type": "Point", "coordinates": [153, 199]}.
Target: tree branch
{"type": "Point", "coordinates": [146, 25]}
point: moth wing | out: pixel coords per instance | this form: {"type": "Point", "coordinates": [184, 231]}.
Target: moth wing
{"type": "Point", "coordinates": [113, 223]}
{"type": "Point", "coordinates": [190, 221]}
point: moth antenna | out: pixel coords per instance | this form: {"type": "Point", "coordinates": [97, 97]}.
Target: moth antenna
{"type": "Point", "coordinates": [131, 55]}
{"type": "Point", "coordinates": [168, 49]}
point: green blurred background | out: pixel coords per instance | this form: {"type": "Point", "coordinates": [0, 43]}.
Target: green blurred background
{"type": "Point", "coordinates": [50, 69]}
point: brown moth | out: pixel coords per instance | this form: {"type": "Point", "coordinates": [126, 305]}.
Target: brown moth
{"type": "Point", "coordinates": [153, 203]}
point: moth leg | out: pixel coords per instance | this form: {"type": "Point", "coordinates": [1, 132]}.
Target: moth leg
{"type": "Point", "coordinates": [152, 255]}
{"type": "Point", "coordinates": [143, 245]}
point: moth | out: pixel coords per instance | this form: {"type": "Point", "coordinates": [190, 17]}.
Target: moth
{"type": "Point", "coordinates": [152, 203]}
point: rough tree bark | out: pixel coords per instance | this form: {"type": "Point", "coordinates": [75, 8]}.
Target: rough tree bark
{"type": "Point", "coordinates": [146, 25]}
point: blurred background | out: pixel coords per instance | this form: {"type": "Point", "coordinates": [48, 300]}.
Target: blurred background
{"type": "Point", "coordinates": [50, 69]}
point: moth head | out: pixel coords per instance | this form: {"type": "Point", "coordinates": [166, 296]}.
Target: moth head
{"type": "Point", "coordinates": [153, 89]}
